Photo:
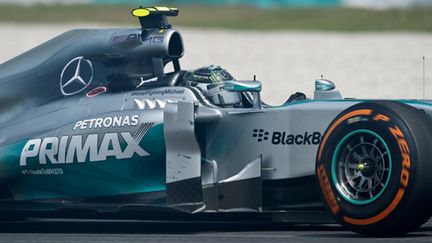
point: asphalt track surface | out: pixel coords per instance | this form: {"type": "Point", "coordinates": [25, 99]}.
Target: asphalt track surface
{"type": "Point", "coordinates": [137, 231]}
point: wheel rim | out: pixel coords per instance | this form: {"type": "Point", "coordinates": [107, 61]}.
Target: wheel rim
{"type": "Point", "coordinates": [361, 167]}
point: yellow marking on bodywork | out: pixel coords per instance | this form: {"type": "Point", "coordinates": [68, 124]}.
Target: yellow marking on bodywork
{"type": "Point", "coordinates": [140, 12]}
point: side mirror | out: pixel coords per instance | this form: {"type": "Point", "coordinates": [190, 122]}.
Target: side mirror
{"type": "Point", "coordinates": [242, 86]}
{"type": "Point", "coordinates": [324, 85]}
{"type": "Point", "coordinates": [246, 86]}
{"type": "Point", "coordinates": [325, 90]}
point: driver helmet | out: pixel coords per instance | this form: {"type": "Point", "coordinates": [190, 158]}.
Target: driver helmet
{"type": "Point", "coordinates": [210, 80]}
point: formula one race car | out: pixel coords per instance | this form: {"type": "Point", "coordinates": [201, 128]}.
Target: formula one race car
{"type": "Point", "coordinates": [91, 123]}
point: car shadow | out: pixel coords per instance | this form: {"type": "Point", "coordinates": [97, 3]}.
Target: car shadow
{"type": "Point", "coordinates": [184, 228]}
{"type": "Point", "coordinates": [150, 227]}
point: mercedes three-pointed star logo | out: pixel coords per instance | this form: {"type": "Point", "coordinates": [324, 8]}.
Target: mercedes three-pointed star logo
{"type": "Point", "coordinates": [68, 78]}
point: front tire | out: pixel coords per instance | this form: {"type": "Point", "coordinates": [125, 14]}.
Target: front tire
{"type": "Point", "coordinates": [373, 168]}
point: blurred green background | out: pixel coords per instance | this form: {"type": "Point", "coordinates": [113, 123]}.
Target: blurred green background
{"type": "Point", "coordinates": [325, 15]}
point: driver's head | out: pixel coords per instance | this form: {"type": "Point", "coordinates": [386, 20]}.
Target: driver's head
{"type": "Point", "coordinates": [210, 81]}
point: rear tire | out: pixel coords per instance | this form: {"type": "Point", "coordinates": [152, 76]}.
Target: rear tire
{"type": "Point", "coordinates": [374, 170]}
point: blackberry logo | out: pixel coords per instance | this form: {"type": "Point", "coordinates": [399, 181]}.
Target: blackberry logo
{"type": "Point", "coordinates": [284, 138]}
{"type": "Point", "coordinates": [260, 134]}
{"type": "Point", "coordinates": [307, 138]}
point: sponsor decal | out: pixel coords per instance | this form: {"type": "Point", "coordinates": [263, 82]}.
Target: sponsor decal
{"type": "Point", "coordinates": [405, 153]}
{"type": "Point", "coordinates": [127, 40]}
{"type": "Point", "coordinates": [76, 76]}
{"type": "Point", "coordinates": [158, 92]}
{"type": "Point", "coordinates": [154, 39]}
{"type": "Point", "coordinates": [129, 37]}
{"type": "Point", "coordinates": [96, 91]}
{"type": "Point", "coordinates": [284, 138]}
{"type": "Point", "coordinates": [327, 190]}
{"type": "Point", "coordinates": [260, 134]}
{"type": "Point", "coordinates": [53, 171]}
{"type": "Point", "coordinates": [77, 149]}
{"type": "Point", "coordinates": [107, 122]}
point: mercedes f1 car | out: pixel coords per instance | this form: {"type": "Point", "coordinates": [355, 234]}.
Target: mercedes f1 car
{"type": "Point", "coordinates": [92, 122]}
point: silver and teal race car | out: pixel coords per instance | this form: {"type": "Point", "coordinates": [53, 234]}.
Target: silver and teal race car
{"type": "Point", "coordinates": [92, 125]}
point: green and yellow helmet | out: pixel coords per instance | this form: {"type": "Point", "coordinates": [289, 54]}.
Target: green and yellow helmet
{"type": "Point", "coordinates": [210, 80]}
{"type": "Point", "coordinates": [210, 75]}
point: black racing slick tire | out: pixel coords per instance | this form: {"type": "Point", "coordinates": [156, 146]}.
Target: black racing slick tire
{"type": "Point", "coordinates": [374, 168]}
